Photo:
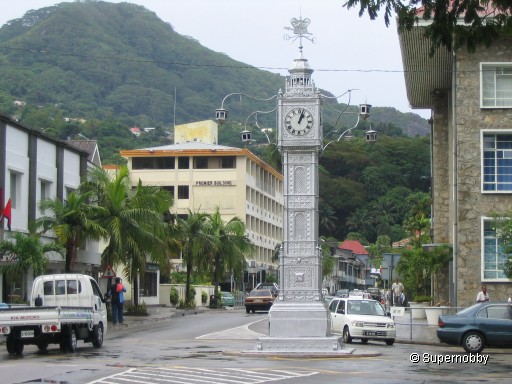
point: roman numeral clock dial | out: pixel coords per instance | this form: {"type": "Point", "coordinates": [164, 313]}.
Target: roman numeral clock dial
{"type": "Point", "coordinates": [298, 121]}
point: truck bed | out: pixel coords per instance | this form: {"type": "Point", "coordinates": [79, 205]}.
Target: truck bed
{"type": "Point", "coordinates": [39, 315]}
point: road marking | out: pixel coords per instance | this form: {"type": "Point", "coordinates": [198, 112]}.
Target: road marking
{"type": "Point", "coordinates": [243, 333]}
{"type": "Point", "coordinates": [199, 376]}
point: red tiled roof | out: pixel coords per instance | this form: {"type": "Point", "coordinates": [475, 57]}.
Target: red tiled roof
{"type": "Point", "coordinates": [354, 246]}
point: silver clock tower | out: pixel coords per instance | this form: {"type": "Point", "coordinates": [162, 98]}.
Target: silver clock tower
{"type": "Point", "coordinates": [299, 321]}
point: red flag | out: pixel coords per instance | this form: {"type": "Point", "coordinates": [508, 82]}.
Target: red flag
{"type": "Point", "coordinates": [7, 213]}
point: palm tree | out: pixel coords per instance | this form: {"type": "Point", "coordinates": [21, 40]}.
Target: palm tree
{"type": "Point", "coordinates": [25, 253]}
{"type": "Point", "coordinates": [132, 221]}
{"type": "Point", "coordinates": [230, 247]}
{"type": "Point", "coordinates": [73, 221]}
{"type": "Point", "coordinates": [194, 243]}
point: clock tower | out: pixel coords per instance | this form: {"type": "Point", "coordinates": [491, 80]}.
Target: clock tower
{"type": "Point", "coordinates": [299, 320]}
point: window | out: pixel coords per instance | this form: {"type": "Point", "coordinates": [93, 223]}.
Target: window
{"type": "Point", "coordinates": [183, 163]}
{"type": "Point", "coordinates": [150, 284]}
{"type": "Point", "coordinates": [153, 163]}
{"type": "Point", "coordinates": [14, 188]}
{"type": "Point", "coordinates": [228, 162]}
{"type": "Point", "coordinates": [201, 163]}
{"type": "Point", "coordinates": [497, 162]}
{"type": "Point", "coordinates": [45, 191]}
{"type": "Point", "coordinates": [182, 191]}
{"type": "Point", "coordinates": [496, 85]}
{"type": "Point", "coordinates": [492, 255]}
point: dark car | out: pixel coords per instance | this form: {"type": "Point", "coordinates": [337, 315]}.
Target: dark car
{"type": "Point", "coordinates": [272, 286]}
{"type": "Point", "coordinates": [484, 324]}
{"type": "Point", "coordinates": [259, 300]}
{"type": "Point", "coordinates": [342, 293]}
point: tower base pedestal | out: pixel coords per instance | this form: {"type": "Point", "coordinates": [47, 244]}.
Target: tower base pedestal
{"type": "Point", "coordinates": [300, 329]}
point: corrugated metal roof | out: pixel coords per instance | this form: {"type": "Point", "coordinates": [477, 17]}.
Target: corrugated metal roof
{"type": "Point", "coordinates": [423, 74]}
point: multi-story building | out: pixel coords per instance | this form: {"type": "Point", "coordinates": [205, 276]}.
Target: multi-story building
{"type": "Point", "coordinates": [203, 175]}
{"type": "Point", "coordinates": [470, 95]}
{"type": "Point", "coordinates": [34, 167]}
{"type": "Point", "coordinates": [351, 267]}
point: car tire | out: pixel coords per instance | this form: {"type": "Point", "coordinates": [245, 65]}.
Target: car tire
{"type": "Point", "coordinates": [43, 346]}
{"type": "Point", "coordinates": [390, 342]}
{"type": "Point", "coordinates": [364, 341]}
{"type": "Point", "coordinates": [247, 310]}
{"type": "Point", "coordinates": [71, 341]}
{"type": "Point", "coordinates": [253, 310]}
{"type": "Point", "coordinates": [347, 339]}
{"type": "Point", "coordinates": [473, 342]}
{"type": "Point", "coordinates": [97, 336]}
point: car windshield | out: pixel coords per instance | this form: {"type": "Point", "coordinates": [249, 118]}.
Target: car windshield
{"type": "Point", "coordinates": [261, 292]}
{"type": "Point", "coordinates": [365, 307]}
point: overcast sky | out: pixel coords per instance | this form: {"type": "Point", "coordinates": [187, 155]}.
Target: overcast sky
{"type": "Point", "coordinates": [349, 52]}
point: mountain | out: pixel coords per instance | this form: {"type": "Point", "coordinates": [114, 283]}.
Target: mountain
{"type": "Point", "coordinates": [100, 60]}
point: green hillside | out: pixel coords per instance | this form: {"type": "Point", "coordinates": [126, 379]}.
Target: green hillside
{"type": "Point", "coordinates": [118, 66]}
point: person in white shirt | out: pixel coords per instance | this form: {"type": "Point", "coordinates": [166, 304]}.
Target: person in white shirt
{"type": "Point", "coordinates": [482, 296]}
{"type": "Point", "coordinates": [397, 288]}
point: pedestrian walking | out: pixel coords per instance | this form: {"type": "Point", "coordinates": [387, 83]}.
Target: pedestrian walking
{"type": "Point", "coordinates": [117, 301]}
{"type": "Point", "coordinates": [482, 296]}
{"type": "Point", "coordinates": [397, 289]}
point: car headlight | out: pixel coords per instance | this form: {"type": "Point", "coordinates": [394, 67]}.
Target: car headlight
{"type": "Point", "coordinates": [390, 325]}
{"type": "Point", "coordinates": [356, 323]}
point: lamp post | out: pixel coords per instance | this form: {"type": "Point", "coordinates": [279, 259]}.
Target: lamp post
{"type": "Point", "coordinates": [299, 320]}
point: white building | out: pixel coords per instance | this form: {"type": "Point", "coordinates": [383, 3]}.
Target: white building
{"type": "Point", "coordinates": [34, 167]}
{"type": "Point", "coordinates": [202, 175]}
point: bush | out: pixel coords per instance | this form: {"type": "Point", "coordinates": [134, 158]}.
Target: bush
{"type": "Point", "coordinates": [133, 309]}
{"type": "Point", "coordinates": [204, 297]}
{"type": "Point", "coordinates": [174, 297]}
{"type": "Point", "coordinates": [422, 299]}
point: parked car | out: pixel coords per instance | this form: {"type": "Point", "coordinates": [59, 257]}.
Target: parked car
{"type": "Point", "coordinates": [360, 294]}
{"type": "Point", "coordinates": [3, 305]}
{"type": "Point", "coordinates": [375, 293]}
{"type": "Point", "coordinates": [358, 318]}
{"type": "Point", "coordinates": [228, 300]}
{"type": "Point", "coordinates": [259, 300]}
{"type": "Point", "coordinates": [272, 286]}
{"type": "Point", "coordinates": [483, 324]}
{"type": "Point", "coordinates": [342, 293]}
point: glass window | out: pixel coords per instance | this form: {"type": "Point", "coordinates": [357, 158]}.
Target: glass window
{"type": "Point", "coordinates": [73, 287]}
{"type": "Point", "coordinates": [493, 257]}
{"type": "Point", "coordinates": [182, 191]}
{"type": "Point", "coordinates": [228, 162]}
{"type": "Point", "coordinates": [497, 162]}
{"type": "Point", "coordinates": [201, 162]}
{"type": "Point", "coordinates": [48, 288]}
{"type": "Point", "coordinates": [60, 287]}
{"type": "Point", "coordinates": [183, 163]}
{"type": "Point", "coordinates": [496, 85]}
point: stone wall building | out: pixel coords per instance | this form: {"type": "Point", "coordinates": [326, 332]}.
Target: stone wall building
{"type": "Point", "coordinates": [470, 95]}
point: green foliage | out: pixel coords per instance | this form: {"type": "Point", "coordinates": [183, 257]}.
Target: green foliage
{"type": "Point", "coordinates": [502, 222]}
{"type": "Point", "coordinates": [174, 296]}
{"type": "Point", "coordinates": [26, 252]}
{"type": "Point", "coordinates": [421, 299]}
{"type": "Point", "coordinates": [136, 309]}
{"type": "Point", "coordinates": [204, 297]}
{"type": "Point", "coordinates": [447, 24]}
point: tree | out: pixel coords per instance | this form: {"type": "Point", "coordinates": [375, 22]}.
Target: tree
{"type": "Point", "coordinates": [454, 23]}
{"type": "Point", "coordinates": [195, 242]}
{"type": "Point", "coordinates": [73, 221]}
{"type": "Point", "coordinates": [502, 222]}
{"type": "Point", "coordinates": [132, 221]}
{"type": "Point", "coordinates": [230, 247]}
{"type": "Point", "coordinates": [26, 253]}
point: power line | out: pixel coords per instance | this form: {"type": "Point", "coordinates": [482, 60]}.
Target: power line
{"type": "Point", "coordinates": [188, 64]}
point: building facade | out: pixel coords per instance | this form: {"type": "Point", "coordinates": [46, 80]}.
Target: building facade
{"type": "Point", "coordinates": [34, 167]}
{"type": "Point", "coordinates": [470, 96]}
{"type": "Point", "coordinates": [202, 175]}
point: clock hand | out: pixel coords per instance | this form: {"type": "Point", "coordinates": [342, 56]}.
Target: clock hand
{"type": "Point", "coordinates": [301, 116]}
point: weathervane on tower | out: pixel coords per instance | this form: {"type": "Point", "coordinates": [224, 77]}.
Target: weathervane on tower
{"type": "Point", "coordinates": [300, 30]}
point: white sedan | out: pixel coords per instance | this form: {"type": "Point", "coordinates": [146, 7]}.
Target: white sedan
{"type": "Point", "coordinates": [358, 318]}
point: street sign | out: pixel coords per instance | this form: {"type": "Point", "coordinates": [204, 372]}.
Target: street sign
{"type": "Point", "coordinates": [109, 272]}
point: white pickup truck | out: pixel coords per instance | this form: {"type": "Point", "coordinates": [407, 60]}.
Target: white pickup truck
{"type": "Point", "coordinates": [64, 308]}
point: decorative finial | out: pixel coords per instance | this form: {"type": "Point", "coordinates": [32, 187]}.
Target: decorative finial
{"type": "Point", "coordinates": [300, 30]}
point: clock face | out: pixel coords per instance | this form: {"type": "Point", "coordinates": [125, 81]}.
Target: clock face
{"type": "Point", "coordinates": [298, 121]}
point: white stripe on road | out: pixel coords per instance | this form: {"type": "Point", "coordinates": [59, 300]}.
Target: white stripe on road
{"type": "Point", "coordinates": [199, 376]}
{"type": "Point", "coordinates": [242, 333]}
